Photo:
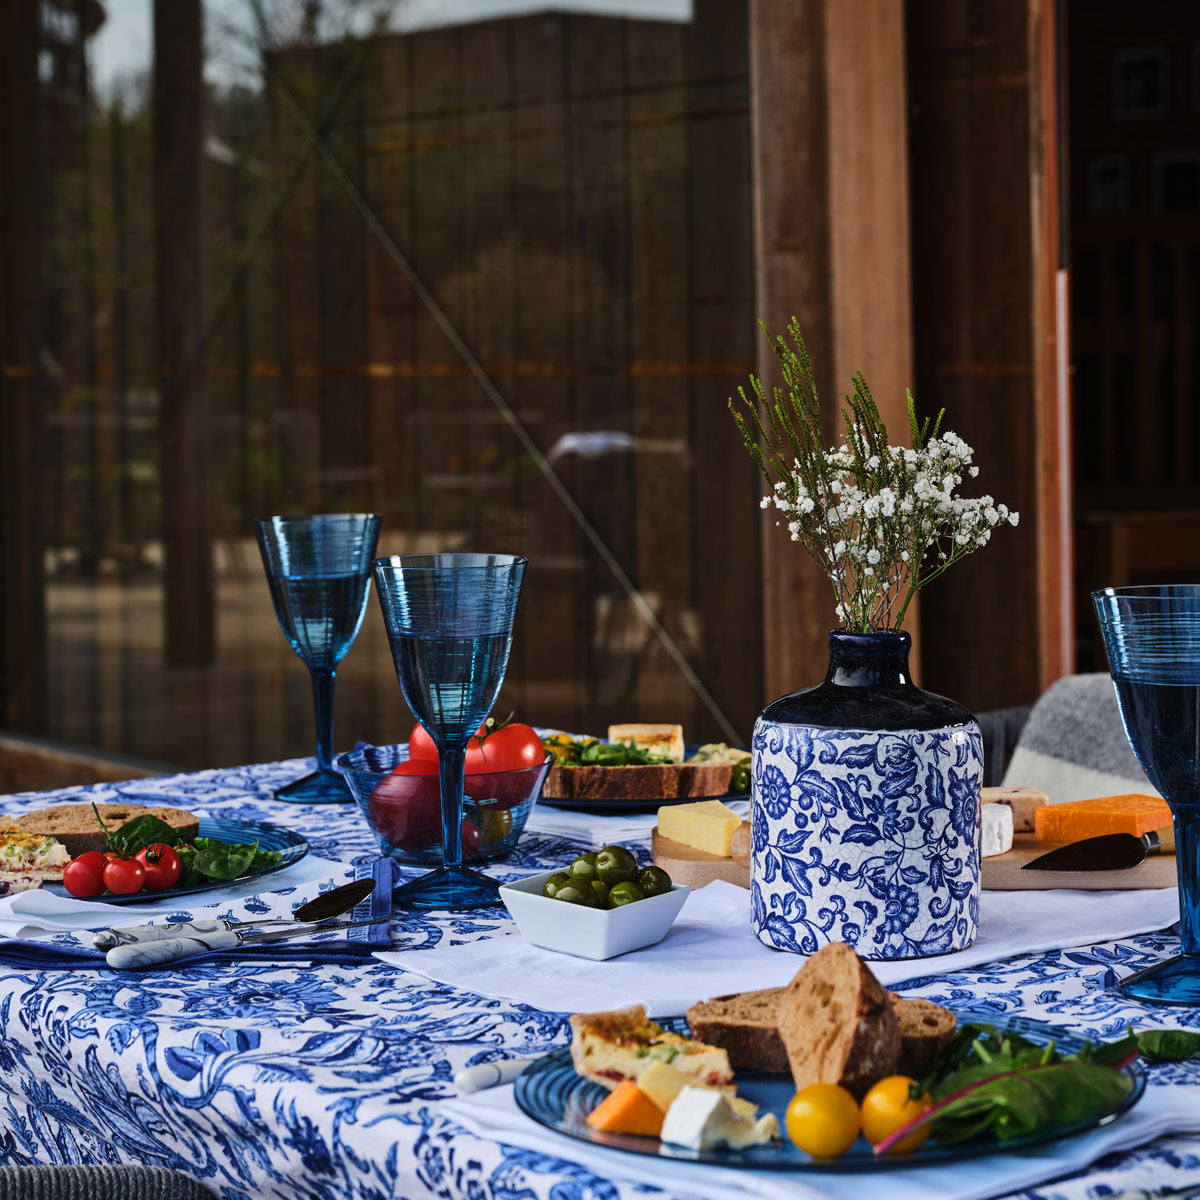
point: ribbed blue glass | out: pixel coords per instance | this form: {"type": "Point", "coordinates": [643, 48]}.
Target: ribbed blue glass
{"type": "Point", "coordinates": [1152, 637]}
{"type": "Point", "coordinates": [449, 620]}
{"type": "Point", "coordinates": [319, 570]}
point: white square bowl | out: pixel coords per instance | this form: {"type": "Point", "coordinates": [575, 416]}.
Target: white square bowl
{"type": "Point", "coordinates": [596, 933]}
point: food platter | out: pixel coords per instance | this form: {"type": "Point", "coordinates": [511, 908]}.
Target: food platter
{"type": "Point", "coordinates": [551, 1093]}
{"type": "Point", "coordinates": [647, 804]}
{"type": "Point", "coordinates": [291, 846]}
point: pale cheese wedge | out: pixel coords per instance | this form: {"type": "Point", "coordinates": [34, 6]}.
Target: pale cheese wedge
{"type": "Point", "coordinates": [661, 1083]}
{"type": "Point", "coordinates": [706, 825]}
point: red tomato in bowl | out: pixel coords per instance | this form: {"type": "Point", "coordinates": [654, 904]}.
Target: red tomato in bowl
{"type": "Point", "coordinates": [509, 747]}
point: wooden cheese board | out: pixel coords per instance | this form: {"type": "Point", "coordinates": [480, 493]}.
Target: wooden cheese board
{"type": "Point", "coordinates": [1001, 873]}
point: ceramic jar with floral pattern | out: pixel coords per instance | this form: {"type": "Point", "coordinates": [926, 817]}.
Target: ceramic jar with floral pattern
{"type": "Point", "coordinates": [865, 814]}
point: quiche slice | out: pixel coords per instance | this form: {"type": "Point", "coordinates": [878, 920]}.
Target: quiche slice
{"type": "Point", "coordinates": [610, 1047]}
{"type": "Point", "coordinates": [25, 857]}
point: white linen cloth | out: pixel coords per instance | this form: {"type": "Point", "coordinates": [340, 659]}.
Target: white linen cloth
{"type": "Point", "coordinates": [711, 950]}
{"type": "Point", "coordinates": [38, 912]}
{"type": "Point", "coordinates": [1169, 1108]}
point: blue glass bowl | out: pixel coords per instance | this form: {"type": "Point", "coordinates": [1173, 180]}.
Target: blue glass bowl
{"type": "Point", "coordinates": [405, 815]}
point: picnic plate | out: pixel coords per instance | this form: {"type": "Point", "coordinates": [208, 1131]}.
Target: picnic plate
{"type": "Point", "coordinates": [644, 804]}
{"type": "Point", "coordinates": [222, 829]}
{"type": "Point", "coordinates": [552, 1094]}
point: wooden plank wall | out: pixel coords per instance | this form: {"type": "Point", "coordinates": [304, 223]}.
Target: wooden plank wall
{"type": "Point", "coordinates": [575, 193]}
{"type": "Point", "coordinates": [981, 146]}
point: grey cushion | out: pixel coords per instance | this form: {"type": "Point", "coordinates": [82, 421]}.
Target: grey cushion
{"type": "Point", "coordinates": [98, 1183]}
{"type": "Point", "coordinates": [1001, 730]}
{"type": "Point", "coordinates": [1074, 746]}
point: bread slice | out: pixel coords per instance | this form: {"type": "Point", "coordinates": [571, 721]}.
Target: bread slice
{"type": "Point", "coordinates": [925, 1028]}
{"type": "Point", "coordinates": [609, 1047]}
{"type": "Point", "coordinates": [837, 1023]}
{"type": "Point", "coordinates": [657, 739]}
{"type": "Point", "coordinates": [76, 828]}
{"type": "Point", "coordinates": [665, 781]}
{"type": "Point", "coordinates": [746, 1025]}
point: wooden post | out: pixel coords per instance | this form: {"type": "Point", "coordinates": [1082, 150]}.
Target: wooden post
{"type": "Point", "coordinates": [827, 83]}
{"type": "Point", "coordinates": [179, 231]}
{"type": "Point", "coordinates": [22, 603]}
{"type": "Point", "coordinates": [984, 163]}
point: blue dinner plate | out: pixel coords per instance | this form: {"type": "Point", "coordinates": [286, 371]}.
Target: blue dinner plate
{"type": "Point", "coordinates": [292, 846]}
{"type": "Point", "coordinates": [552, 1094]}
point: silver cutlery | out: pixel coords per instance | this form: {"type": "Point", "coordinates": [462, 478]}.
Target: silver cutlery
{"type": "Point", "coordinates": [134, 955]}
{"type": "Point", "coordinates": [489, 1075]}
{"type": "Point", "coordinates": [323, 908]}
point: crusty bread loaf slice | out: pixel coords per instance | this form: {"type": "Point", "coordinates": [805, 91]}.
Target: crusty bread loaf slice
{"type": "Point", "coordinates": [658, 781]}
{"type": "Point", "coordinates": [746, 1025]}
{"type": "Point", "coordinates": [75, 825]}
{"type": "Point", "coordinates": [837, 1023]}
{"type": "Point", "coordinates": [925, 1028]}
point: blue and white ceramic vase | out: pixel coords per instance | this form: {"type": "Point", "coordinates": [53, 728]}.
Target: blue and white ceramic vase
{"type": "Point", "coordinates": [865, 811]}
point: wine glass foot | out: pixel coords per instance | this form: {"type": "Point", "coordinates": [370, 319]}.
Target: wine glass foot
{"type": "Point", "coordinates": [321, 787]}
{"type": "Point", "coordinates": [446, 888]}
{"type": "Point", "coordinates": [1176, 981]}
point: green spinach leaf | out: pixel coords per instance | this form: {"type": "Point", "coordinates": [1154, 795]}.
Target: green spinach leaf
{"type": "Point", "coordinates": [222, 860]}
{"type": "Point", "coordinates": [141, 832]}
{"type": "Point", "coordinates": [1168, 1045]}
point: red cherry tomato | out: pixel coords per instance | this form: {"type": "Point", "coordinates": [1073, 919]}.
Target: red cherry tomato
{"type": "Point", "coordinates": [472, 839]}
{"type": "Point", "coordinates": [161, 866]}
{"type": "Point", "coordinates": [420, 744]}
{"type": "Point", "coordinates": [84, 876]}
{"type": "Point", "coordinates": [405, 810]}
{"type": "Point", "coordinates": [124, 876]}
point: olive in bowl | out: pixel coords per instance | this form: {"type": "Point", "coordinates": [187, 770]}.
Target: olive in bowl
{"type": "Point", "coordinates": [587, 930]}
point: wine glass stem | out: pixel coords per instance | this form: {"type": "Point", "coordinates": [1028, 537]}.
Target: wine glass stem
{"type": "Point", "coordinates": [1187, 855]}
{"type": "Point", "coordinates": [322, 685]}
{"type": "Point", "coordinates": [452, 761]}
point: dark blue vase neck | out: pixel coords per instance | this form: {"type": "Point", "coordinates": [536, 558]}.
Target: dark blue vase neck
{"type": "Point", "coordinates": [867, 686]}
{"type": "Point", "coordinates": [869, 659]}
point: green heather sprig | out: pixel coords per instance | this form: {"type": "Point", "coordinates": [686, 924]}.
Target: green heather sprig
{"type": "Point", "coordinates": [882, 521]}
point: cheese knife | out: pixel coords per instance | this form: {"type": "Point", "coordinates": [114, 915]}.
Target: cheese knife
{"type": "Point", "coordinates": [1108, 852]}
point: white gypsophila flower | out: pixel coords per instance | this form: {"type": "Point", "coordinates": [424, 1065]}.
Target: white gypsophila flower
{"type": "Point", "coordinates": [839, 548]}
{"type": "Point", "coordinates": [974, 472]}
{"type": "Point", "coordinates": [1013, 518]}
{"type": "Point", "coordinates": [904, 556]}
{"type": "Point", "coordinates": [765, 502]}
{"type": "Point", "coordinates": [807, 505]}
{"type": "Point", "coordinates": [873, 463]}
{"type": "Point", "coordinates": [781, 486]}
{"type": "Point", "coordinates": [868, 571]}
{"type": "Point", "coordinates": [794, 530]}
{"type": "Point", "coordinates": [873, 556]}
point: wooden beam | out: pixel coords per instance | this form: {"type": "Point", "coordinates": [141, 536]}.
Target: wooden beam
{"type": "Point", "coordinates": [831, 244]}
{"type": "Point", "coordinates": [187, 531]}
{"type": "Point", "coordinates": [984, 166]}
{"type": "Point", "coordinates": [22, 603]}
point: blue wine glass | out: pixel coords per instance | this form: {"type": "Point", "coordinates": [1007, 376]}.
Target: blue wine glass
{"type": "Point", "coordinates": [319, 571]}
{"type": "Point", "coordinates": [449, 620]}
{"type": "Point", "coordinates": [1152, 636]}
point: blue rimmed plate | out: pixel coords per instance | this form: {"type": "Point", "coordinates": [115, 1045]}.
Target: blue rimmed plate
{"type": "Point", "coordinates": [552, 1094]}
{"type": "Point", "coordinates": [650, 804]}
{"type": "Point", "coordinates": [291, 845]}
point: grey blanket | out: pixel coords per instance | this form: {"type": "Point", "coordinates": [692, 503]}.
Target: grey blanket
{"type": "Point", "coordinates": [1073, 745]}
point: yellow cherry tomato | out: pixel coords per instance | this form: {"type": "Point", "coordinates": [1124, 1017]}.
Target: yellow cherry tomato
{"type": "Point", "coordinates": [822, 1120]}
{"type": "Point", "coordinates": [886, 1108]}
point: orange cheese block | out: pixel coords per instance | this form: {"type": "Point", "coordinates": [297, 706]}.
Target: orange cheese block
{"type": "Point", "coordinates": [627, 1109]}
{"type": "Point", "coordinates": [1080, 819]}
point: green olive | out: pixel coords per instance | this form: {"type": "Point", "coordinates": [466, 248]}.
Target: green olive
{"type": "Point", "coordinates": [600, 890]}
{"type": "Point", "coordinates": [584, 867]}
{"type": "Point", "coordinates": [554, 883]}
{"type": "Point", "coordinates": [739, 776]}
{"type": "Point", "coordinates": [653, 881]}
{"type": "Point", "coordinates": [615, 864]}
{"type": "Point", "coordinates": [621, 894]}
{"type": "Point", "coordinates": [577, 892]}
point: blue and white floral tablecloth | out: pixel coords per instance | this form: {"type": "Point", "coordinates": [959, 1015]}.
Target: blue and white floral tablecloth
{"type": "Point", "coordinates": [327, 1082]}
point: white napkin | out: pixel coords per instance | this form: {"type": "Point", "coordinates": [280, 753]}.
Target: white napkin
{"type": "Point", "coordinates": [711, 950]}
{"type": "Point", "coordinates": [494, 1114]}
{"type": "Point", "coordinates": [596, 830]}
{"type": "Point", "coordinates": [27, 914]}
